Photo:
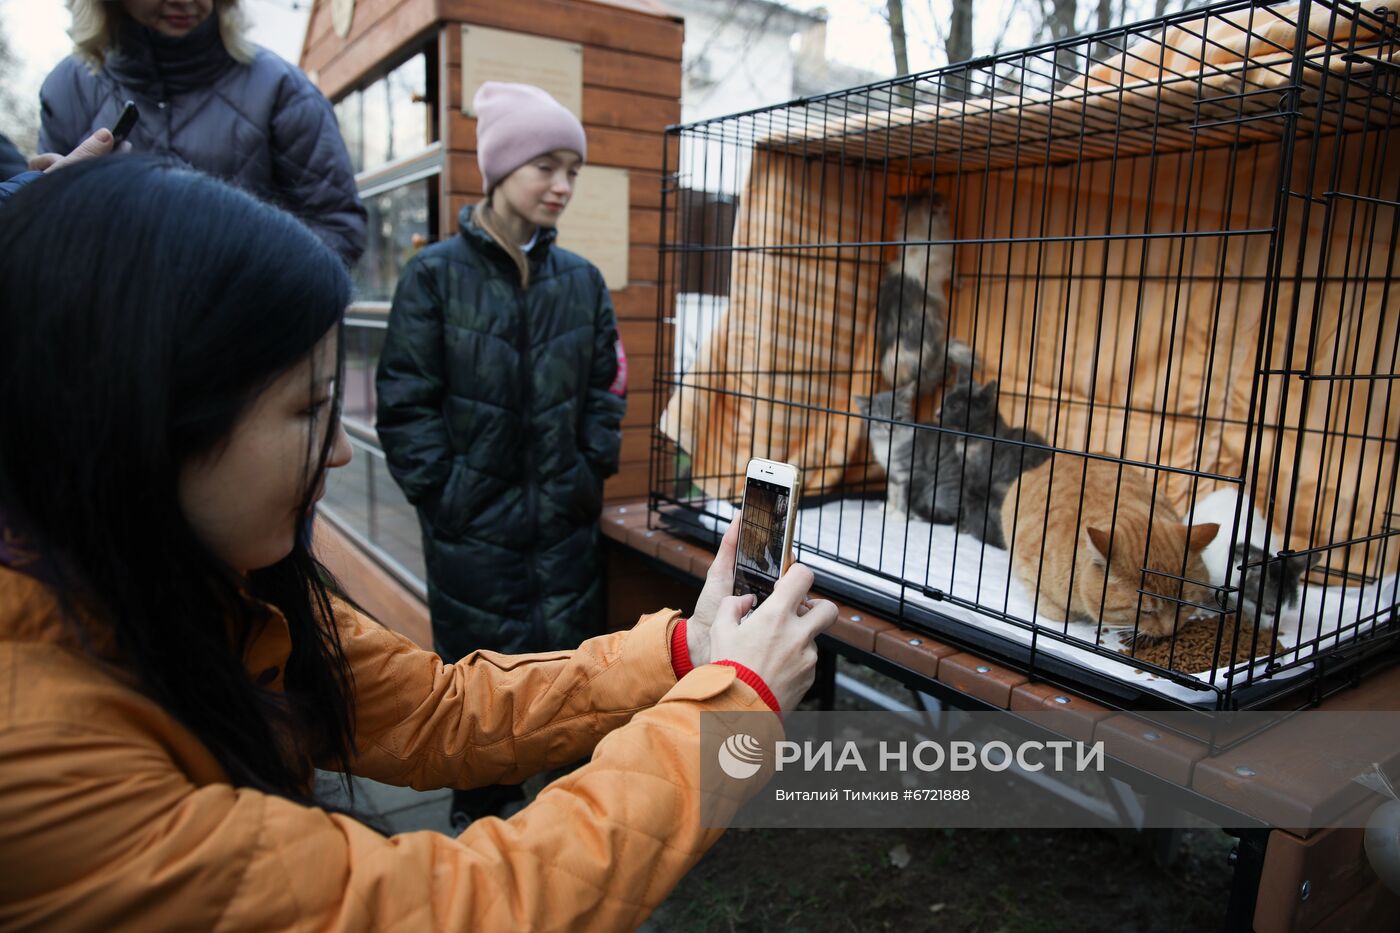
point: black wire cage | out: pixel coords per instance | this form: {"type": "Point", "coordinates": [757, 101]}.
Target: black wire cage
{"type": "Point", "coordinates": [1086, 352]}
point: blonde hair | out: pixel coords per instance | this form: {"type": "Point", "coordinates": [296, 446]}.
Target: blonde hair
{"type": "Point", "coordinates": [94, 30]}
{"type": "Point", "coordinates": [485, 217]}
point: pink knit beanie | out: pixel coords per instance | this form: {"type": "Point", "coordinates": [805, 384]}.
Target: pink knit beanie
{"type": "Point", "coordinates": [515, 123]}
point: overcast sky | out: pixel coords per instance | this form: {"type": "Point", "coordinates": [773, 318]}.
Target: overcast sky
{"type": "Point", "coordinates": [857, 32]}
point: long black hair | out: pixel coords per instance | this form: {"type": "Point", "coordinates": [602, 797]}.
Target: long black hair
{"type": "Point", "coordinates": [142, 309]}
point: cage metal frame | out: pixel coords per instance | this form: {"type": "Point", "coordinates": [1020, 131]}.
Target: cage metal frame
{"type": "Point", "coordinates": [1316, 101]}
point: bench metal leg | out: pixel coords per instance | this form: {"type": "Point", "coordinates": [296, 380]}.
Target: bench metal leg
{"type": "Point", "coordinates": [1248, 859]}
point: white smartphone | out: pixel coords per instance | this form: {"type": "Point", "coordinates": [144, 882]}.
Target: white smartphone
{"type": "Point", "coordinates": [771, 491]}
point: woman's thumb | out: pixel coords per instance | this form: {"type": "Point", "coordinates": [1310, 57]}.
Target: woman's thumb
{"type": "Point", "coordinates": [99, 143]}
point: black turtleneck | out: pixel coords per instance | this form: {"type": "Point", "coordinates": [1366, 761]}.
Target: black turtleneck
{"type": "Point", "coordinates": [160, 66]}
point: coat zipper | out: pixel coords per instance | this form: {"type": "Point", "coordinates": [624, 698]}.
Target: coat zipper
{"type": "Point", "coordinates": [531, 504]}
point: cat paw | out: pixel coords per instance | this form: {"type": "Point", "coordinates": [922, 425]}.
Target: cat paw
{"type": "Point", "coordinates": [1146, 639]}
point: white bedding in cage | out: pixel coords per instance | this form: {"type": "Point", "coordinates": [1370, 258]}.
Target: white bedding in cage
{"type": "Point", "coordinates": [935, 556]}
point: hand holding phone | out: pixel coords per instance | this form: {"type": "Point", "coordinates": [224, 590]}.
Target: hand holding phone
{"type": "Point", "coordinates": [777, 641]}
{"type": "Point", "coordinates": [98, 144]}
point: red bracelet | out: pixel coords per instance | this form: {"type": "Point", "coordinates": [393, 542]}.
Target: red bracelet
{"type": "Point", "coordinates": [753, 680]}
{"type": "Point", "coordinates": [681, 665]}
{"type": "Point", "coordinates": [680, 651]}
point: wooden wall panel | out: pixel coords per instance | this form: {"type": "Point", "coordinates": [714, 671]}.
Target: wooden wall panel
{"type": "Point", "coordinates": [380, 30]}
{"type": "Point", "coordinates": [606, 107]}
{"type": "Point", "coordinates": [609, 68]}
{"type": "Point", "coordinates": [646, 188]}
{"type": "Point", "coordinates": [636, 303]}
{"type": "Point", "coordinates": [639, 337]}
{"type": "Point", "coordinates": [586, 23]}
{"type": "Point", "coordinates": [639, 406]}
{"type": "Point", "coordinates": [630, 482]}
{"type": "Point", "coordinates": [643, 264]}
{"type": "Point", "coordinates": [628, 72]}
{"type": "Point", "coordinates": [318, 27]}
{"type": "Point", "coordinates": [322, 42]}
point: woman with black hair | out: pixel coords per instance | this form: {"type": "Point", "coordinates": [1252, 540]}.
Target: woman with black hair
{"type": "Point", "coordinates": [174, 663]}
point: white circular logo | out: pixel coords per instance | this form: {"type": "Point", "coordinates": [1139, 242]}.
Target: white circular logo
{"type": "Point", "coordinates": [740, 756]}
{"type": "Point", "coordinates": [342, 16]}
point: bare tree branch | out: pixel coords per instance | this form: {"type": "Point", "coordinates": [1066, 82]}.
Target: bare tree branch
{"type": "Point", "coordinates": [898, 39]}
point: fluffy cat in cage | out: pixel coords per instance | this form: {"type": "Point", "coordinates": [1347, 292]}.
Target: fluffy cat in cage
{"type": "Point", "coordinates": [1104, 546]}
{"type": "Point", "coordinates": [892, 444]}
{"type": "Point", "coordinates": [911, 316]}
{"type": "Point", "coordinates": [949, 478]}
{"type": "Point", "coordinates": [989, 467]}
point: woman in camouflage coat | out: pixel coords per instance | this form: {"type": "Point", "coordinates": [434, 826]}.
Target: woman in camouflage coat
{"type": "Point", "coordinates": [501, 390]}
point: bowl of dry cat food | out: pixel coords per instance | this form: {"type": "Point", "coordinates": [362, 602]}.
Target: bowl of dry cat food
{"type": "Point", "coordinates": [1194, 649]}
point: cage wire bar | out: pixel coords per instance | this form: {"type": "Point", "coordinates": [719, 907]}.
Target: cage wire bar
{"type": "Point", "coordinates": [1164, 252]}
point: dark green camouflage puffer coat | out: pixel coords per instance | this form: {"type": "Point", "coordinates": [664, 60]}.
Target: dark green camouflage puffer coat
{"type": "Point", "coordinates": [500, 414]}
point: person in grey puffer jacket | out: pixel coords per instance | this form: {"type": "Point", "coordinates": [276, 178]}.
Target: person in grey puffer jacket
{"type": "Point", "coordinates": [210, 100]}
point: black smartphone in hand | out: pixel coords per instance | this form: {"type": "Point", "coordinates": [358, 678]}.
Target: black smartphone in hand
{"type": "Point", "coordinates": [125, 122]}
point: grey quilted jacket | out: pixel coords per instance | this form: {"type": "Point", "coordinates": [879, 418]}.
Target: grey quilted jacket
{"type": "Point", "coordinates": [263, 126]}
{"type": "Point", "coordinates": [500, 413]}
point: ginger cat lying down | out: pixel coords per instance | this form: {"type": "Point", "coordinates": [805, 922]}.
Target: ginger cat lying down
{"type": "Point", "coordinates": [1105, 550]}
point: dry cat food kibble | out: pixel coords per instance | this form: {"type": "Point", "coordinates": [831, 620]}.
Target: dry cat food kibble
{"type": "Point", "coordinates": [1193, 651]}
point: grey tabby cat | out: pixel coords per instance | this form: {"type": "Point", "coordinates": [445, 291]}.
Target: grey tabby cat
{"type": "Point", "coordinates": [911, 318]}
{"type": "Point", "coordinates": [990, 466]}
{"type": "Point", "coordinates": [1267, 585]}
{"type": "Point", "coordinates": [949, 478]}
{"type": "Point", "coordinates": [892, 445]}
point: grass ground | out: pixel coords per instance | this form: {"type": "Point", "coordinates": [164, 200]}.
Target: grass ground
{"type": "Point", "coordinates": [965, 880]}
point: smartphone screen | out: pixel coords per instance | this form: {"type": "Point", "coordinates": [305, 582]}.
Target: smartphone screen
{"type": "Point", "coordinates": [761, 533]}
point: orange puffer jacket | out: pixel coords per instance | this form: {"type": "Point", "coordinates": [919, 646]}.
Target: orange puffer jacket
{"type": "Point", "coordinates": [113, 816]}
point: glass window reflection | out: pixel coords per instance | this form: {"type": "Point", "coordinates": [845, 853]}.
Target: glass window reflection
{"type": "Point", "coordinates": [389, 118]}
{"type": "Point", "coordinates": [398, 228]}
{"type": "Point", "coordinates": [406, 93]}
{"type": "Point", "coordinates": [351, 119]}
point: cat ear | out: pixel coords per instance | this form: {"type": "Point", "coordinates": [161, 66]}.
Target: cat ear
{"type": "Point", "coordinates": [1299, 564]}
{"type": "Point", "coordinates": [1098, 543]}
{"type": "Point", "coordinates": [1198, 536]}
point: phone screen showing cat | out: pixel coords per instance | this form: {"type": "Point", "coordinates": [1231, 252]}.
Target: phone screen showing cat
{"type": "Point", "coordinates": [760, 558]}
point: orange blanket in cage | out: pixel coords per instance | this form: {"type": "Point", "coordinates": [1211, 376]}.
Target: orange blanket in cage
{"type": "Point", "coordinates": [1100, 290]}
